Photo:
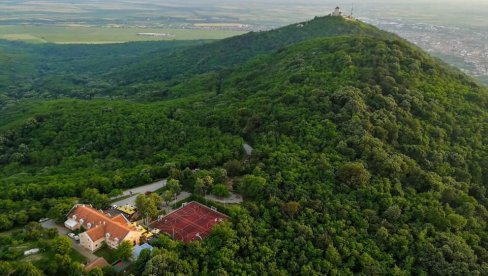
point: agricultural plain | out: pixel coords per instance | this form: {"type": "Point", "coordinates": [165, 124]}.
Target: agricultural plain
{"type": "Point", "coordinates": [99, 35]}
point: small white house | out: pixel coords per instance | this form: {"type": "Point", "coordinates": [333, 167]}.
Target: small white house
{"type": "Point", "coordinates": [337, 12]}
{"type": "Point", "coordinates": [31, 251]}
{"type": "Point", "coordinates": [71, 224]}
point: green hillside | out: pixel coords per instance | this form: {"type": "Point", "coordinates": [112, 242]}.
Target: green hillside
{"type": "Point", "coordinates": [49, 71]}
{"type": "Point", "coordinates": [369, 155]}
{"type": "Point", "coordinates": [236, 50]}
{"type": "Point", "coordinates": [134, 70]}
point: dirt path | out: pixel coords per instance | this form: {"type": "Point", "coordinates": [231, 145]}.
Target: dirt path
{"type": "Point", "coordinates": [232, 199]}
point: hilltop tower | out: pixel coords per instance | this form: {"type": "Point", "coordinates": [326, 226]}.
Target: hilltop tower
{"type": "Point", "coordinates": [337, 12]}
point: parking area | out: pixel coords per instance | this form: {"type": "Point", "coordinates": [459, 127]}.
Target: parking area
{"type": "Point", "coordinates": [52, 224]}
{"type": "Point", "coordinates": [64, 231]}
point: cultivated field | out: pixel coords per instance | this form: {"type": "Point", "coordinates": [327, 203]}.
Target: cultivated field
{"type": "Point", "coordinates": [98, 35]}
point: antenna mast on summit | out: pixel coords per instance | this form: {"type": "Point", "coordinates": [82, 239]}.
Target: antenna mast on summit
{"type": "Point", "coordinates": [352, 9]}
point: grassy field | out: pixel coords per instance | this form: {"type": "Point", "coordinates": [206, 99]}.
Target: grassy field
{"type": "Point", "coordinates": [99, 35]}
{"type": "Point", "coordinates": [106, 253]}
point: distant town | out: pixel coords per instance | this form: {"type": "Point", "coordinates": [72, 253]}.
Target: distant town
{"type": "Point", "coordinates": [465, 48]}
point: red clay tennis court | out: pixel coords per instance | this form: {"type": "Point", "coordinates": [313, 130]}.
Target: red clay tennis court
{"type": "Point", "coordinates": [192, 221]}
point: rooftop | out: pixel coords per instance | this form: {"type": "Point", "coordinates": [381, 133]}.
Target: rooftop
{"type": "Point", "coordinates": [100, 224]}
{"type": "Point", "coordinates": [99, 262]}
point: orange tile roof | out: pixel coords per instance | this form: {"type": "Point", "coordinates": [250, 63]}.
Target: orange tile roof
{"type": "Point", "coordinates": [98, 262]}
{"type": "Point", "coordinates": [101, 224]}
{"type": "Point", "coordinates": [95, 233]}
{"type": "Point", "coordinates": [120, 219]}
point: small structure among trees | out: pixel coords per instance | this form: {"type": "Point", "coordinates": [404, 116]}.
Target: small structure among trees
{"type": "Point", "coordinates": [336, 12]}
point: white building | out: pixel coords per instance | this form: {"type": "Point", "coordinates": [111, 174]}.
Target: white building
{"type": "Point", "coordinates": [337, 12]}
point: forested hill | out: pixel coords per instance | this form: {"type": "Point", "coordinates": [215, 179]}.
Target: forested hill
{"type": "Point", "coordinates": [236, 50]}
{"type": "Point", "coordinates": [370, 158]}
{"type": "Point", "coordinates": [136, 70]}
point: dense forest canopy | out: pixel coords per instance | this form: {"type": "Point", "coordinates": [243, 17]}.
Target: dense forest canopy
{"type": "Point", "coordinates": [130, 70]}
{"type": "Point", "coordinates": [370, 157]}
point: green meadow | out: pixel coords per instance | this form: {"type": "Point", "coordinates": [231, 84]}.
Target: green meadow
{"type": "Point", "coordinates": [100, 35]}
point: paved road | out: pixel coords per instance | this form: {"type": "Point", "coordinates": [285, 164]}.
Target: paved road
{"type": "Point", "coordinates": [76, 246]}
{"type": "Point", "coordinates": [83, 251]}
{"type": "Point", "coordinates": [146, 188]}
{"type": "Point", "coordinates": [138, 190]}
{"type": "Point", "coordinates": [51, 224]}
{"type": "Point", "coordinates": [130, 200]}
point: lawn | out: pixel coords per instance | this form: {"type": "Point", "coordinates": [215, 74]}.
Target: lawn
{"type": "Point", "coordinates": [10, 232]}
{"type": "Point", "coordinates": [100, 35]}
{"type": "Point", "coordinates": [75, 256]}
{"type": "Point", "coordinates": [107, 254]}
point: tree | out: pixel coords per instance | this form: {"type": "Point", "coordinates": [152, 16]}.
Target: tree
{"type": "Point", "coordinates": [291, 208]}
{"type": "Point", "coordinates": [219, 175]}
{"type": "Point", "coordinates": [199, 187]}
{"type": "Point", "coordinates": [222, 234]}
{"type": "Point", "coordinates": [203, 184]}
{"type": "Point", "coordinates": [124, 250]}
{"type": "Point", "coordinates": [26, 269]}
{"type": "Point", "coordinates": [353, 174]}
{"type": "Point", "coordinates": [253, 186]}
{"type": "Point", "coordinates": [167, 263]}
{"type": "Point", "coordinates": [155, 199]}
{"type": "Point", "coordinates": [333, 256]}
{"type": "Point", "coordinates": [21, 218]}
{"type": "Point", "coordinates": [96, 272]}
{"type": "Point", "coordinates": [6, 268]}
{"type": "Point", "coordinates": [456, 221]}
{"type": "Point", "coordinates": [61, 245]}
{"type": "Point", "coordinates": [167, 196]}
{"type": "Point", "coordinates": [102, 184]}
{"type": "Point", "coordinates": [148, 205]}
{"type": "Point", "coordinates": [174, 186]}
{"type": "Point", "coordinates": [233, 167]}
{"type": "Point", "coordinates": [393, 213]}
{"type": "Point", "coordinates": [115, 192]}
{"type": "Point", "coordinates": [93, 197]}
{"type": "Point", "coordinates": [220, 190]}
{"type": "Point", "coordinates": [63, 265]}
{"type": "Point", "coordinates": [5, 222]}
{"type": "Point", "coordinates": [141, 261]}
{"type": "Point", "coordinates": [60, 209]}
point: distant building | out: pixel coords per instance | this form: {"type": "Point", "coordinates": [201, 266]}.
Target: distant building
{"type": "Point", "coordinates": [100, 228]}
{"type": "Point", "coordinates": [139, 248]}
{"type": "Point", "coordinates": [97, 263]}
{"type": "Point", "coordinates": [336, 12]}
